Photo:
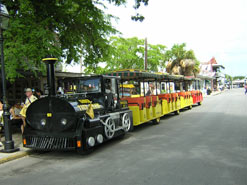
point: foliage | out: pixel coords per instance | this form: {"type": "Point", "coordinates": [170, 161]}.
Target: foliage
{"type": "Point", "coordinates": [65, 29]}
{"type": "Point", "coordinates": [177, 53]}
{"type": "Point", "coordinates": [156, 55]}
{"type": "Point", "coordinates": [238, 77]}
{"type": "Point", "coordinates": [228, 78]}
{"type": "Point", "coordinates": [128, 53]}
{"type": "Point", "coordinates": [196, 69]}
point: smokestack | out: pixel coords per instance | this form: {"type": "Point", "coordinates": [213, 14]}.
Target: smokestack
{"type": "Point", "coordinates": [49, 61]}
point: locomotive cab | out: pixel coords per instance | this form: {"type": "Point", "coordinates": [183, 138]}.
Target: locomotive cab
{"type": "Point", "coordinates": [101, 89]}
{"type": "Point", "coordinates": [87, 114]}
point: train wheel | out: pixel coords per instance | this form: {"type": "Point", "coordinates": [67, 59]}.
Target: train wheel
{"type": "Point", "coordinates": [156, 121]}
{"type": "Point", "coordinates": [177, 112]}
{"type": "Point", "coordinates": [126, 123]}
{"type": "Point", "coordinates": [199, 103]}
{"type": "Point", "coordinates": [109, 128]}
{"type": "Point", "coordinates": [190, 107]}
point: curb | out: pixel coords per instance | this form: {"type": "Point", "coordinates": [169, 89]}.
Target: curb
{"type": "Point", "coordinates": [216, 94]}
{"type": "Point", "coordinates": [14, 156]}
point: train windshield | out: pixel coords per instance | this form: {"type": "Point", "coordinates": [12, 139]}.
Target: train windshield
{"type": "Point", "coordinates": [92, 85]}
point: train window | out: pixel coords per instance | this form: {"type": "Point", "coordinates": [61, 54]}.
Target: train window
{"type": "Point", "coordinates": [177, 87]}
{"type": "Point", "coordinates": [110, 86]}
{"type": "Point", "coordinates": [127, 90]}
{"type": "Point", "coordinates": [90, 85]}
{"type": "Point", "coordinates": [114, 86]}
{"type": "Point", "coordinates": [69, 86]}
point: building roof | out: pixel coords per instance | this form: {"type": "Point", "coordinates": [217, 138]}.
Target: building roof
{"type": "Point", "coordinates": [68, 74]}
{"type": "Point", "coordinates": [212, 61]}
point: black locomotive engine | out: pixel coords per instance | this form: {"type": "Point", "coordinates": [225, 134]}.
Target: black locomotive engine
{"type": "Point", "coordinates": [86, 116]}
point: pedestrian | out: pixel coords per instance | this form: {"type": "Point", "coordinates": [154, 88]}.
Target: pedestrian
{"type": "Point", "coordinates": [60, 90]}
{"type": "Point", "coordinates": [15, 116]}
{"type": "Point", "coordinates": [245, 89]}
{"type": "Point", "coordinates": [208, 91]}
{"type": "Point", "coordinates": [15, 111]}
{"type": "Point", "coordinates": [30, 98]}
{"type": "Point", "coordinates": [38, 93]}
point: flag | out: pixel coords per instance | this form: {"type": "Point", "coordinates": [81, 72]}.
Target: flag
{"type": "Point", "coordinates": [90, 111]}
{"type": "Point", "coordinates": [23, 111]}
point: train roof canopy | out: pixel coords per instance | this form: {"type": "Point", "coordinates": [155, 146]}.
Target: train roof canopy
{"type": "Point", "coordinates": [89, 77]}
{"type": "Point", "coordinates": [139, 75]}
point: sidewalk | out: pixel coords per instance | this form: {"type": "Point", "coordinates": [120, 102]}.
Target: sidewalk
{"type": "Point", "coordinates": [214, 93]}
{"type": "Point", "coordinates": [5, 157]}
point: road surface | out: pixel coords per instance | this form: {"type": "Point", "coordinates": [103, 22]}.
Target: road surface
{"type": "Point", "coordinates": [203, 146]}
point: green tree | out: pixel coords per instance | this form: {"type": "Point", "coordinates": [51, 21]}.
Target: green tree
{"type": "Point", "coordinates": [238, 77]}
{"type": "Point", "coordinates": [177, 53]}
{"type": "Point", "coordinates": [65, 29]}
{"type": "Point", "coordinates": [228, 78]}
{"type": "Point", "coordinates": [128, 53]}
{"type": "Point", "coordinates": [156, 55]}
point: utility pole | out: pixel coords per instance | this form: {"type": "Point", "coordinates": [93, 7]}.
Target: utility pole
{"type": "Point", "coordinates": [81, 61]}
{"type": "Point", "coordinates": [146, 54]}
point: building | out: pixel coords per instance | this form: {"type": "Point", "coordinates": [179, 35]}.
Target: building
{"type": "Point", "coordinates": [207, 76]}
{"type": "Point", "coordinates": [239, 83]}
{"type": "Point", "coordinates": [212, 75]}
{"type": "Point", "coordinates": [15, 89]}
{"type": "Point", "coordinates": [219, 81]}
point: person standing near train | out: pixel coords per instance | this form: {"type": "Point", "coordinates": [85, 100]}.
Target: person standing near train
{"type": "Point", "coordinates": [245, 89]}
{"type": "Point", "coordinates": [30, 98]}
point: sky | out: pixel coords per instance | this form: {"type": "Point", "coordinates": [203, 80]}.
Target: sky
{"type": "Point", "coordinates": [212, 28]}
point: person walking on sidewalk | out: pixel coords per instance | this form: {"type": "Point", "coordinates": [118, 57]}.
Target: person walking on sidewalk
{"type": "Point", "coordinates": [30, 99]}
{"type": "Point", "coordinates": [245, 89]}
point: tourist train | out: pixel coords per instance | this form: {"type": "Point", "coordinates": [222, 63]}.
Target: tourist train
{"type": "Point", "coordinates": [97, 108]}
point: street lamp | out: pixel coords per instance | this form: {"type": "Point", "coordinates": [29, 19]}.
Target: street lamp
{"type": "Point", "coordinates": [9, 143]}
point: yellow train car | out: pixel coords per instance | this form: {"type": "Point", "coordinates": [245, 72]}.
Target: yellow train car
{"type": "Point", "coordinates": [147, 98]}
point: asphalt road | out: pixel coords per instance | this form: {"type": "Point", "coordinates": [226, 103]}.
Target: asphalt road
{"type": "Point", "coordinates": [203, 146]}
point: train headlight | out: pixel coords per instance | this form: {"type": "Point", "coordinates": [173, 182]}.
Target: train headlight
{"type": "Point", "coordinates": [91, 141]}
{"type": "Point", "coordinates": [99, 138]}
{"type": "Point", "coordinates": [43, 122]}
{"type": "Point", "coordinates": [63, 121]}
